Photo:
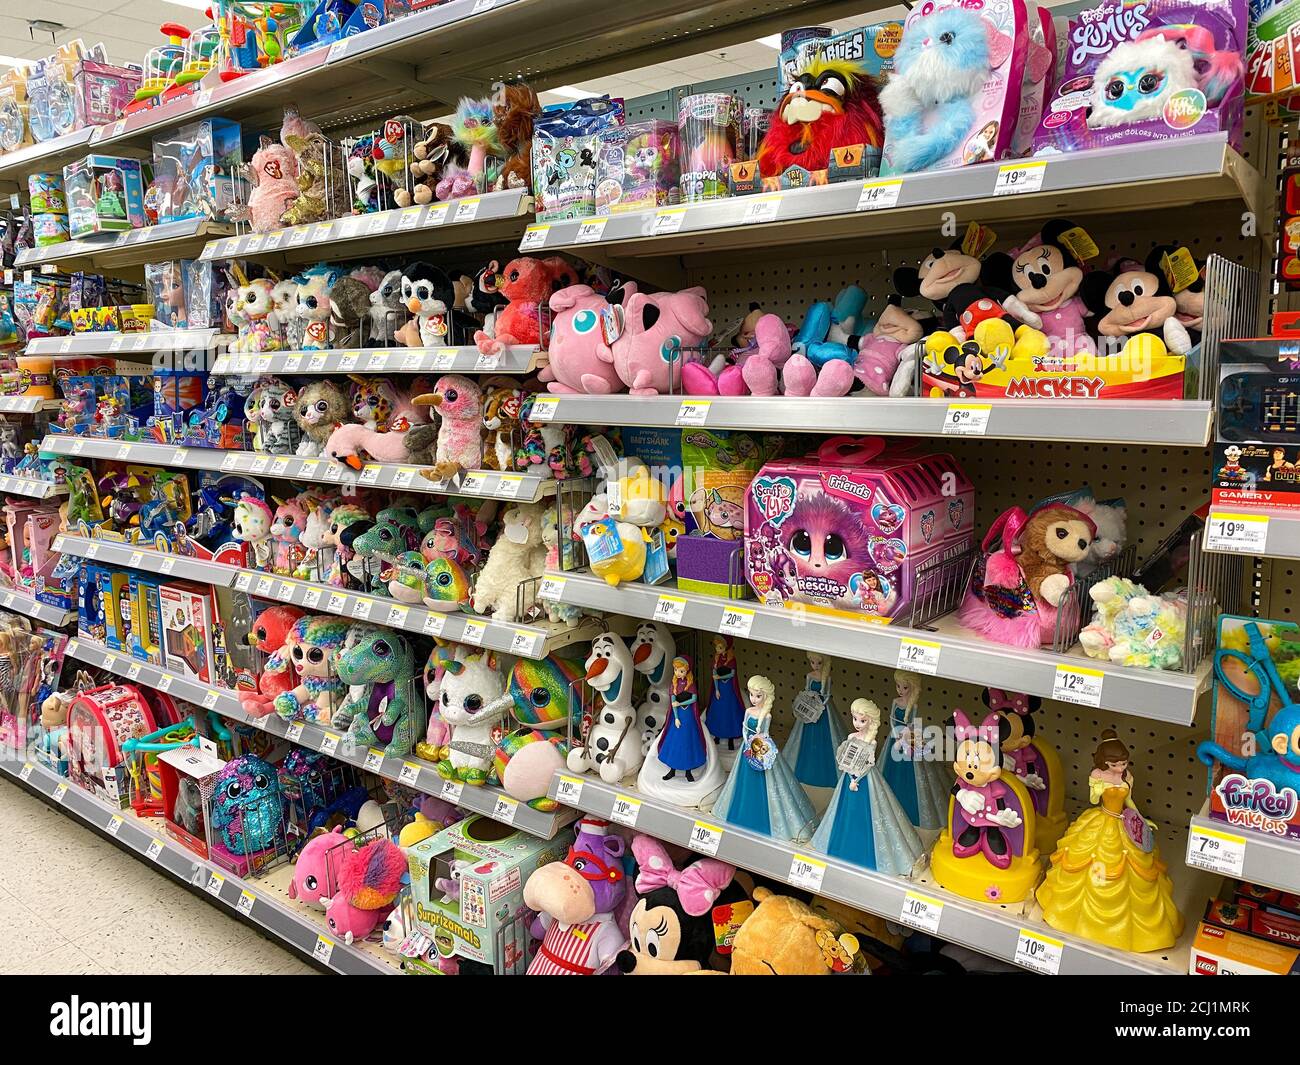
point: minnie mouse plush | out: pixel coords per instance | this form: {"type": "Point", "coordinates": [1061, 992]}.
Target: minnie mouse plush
{"type": "Point", "coordinates": [1136, 302]}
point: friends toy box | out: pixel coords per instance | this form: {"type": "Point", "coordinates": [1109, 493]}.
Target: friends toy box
{"type": "Point", "coordinates": [852, 527]}
{"type": "Point", "coordinates": [467, 887]}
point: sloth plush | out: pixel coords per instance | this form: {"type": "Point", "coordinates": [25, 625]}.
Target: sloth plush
{"type": "Point", "coordinates": [1137, 301]}
{"type": "Point", "coordinates": [1137, 79]}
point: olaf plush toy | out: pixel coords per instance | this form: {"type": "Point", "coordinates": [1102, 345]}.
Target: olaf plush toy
{"type": "Point", "coordinates": [613, 747]}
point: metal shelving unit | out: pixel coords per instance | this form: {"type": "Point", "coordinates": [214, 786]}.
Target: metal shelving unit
{"type": "Point", "coordinates": [476, 484]}
{"type": "Point", "coordinates": [1184, 423]}
{"type": "Point", "coordinates": [26, 605]}
{"type": "Point", "coordinates": [168, 240]}
{"type": "Point", "coordinates": [1256, 857]}
{"type": "Point", "coordinates": [114, 343]}
{"type": "Point", "coordinates": [493, 216]}
{"type": "Point", "coordinates": [520, 359]}
{"type": "Point", "coordinates": [29, 486]}
{"type": "Point", "coordinates": [410, 771]}
{"type": "Point", "coordinates": [1185, 172]}
{"type": "Point", "coordinates": [1006, 932]}
{"type": "Point", "coordinates": [516, 638]}
{"type": "Point", "coordinates": [1153, 694]}
{"type": "Point", "coordinates": [262, 901]}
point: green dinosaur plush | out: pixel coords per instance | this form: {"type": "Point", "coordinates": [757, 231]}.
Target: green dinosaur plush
{"type": "Point", "coordinates": [396, 530]}
{"type": "Point", "coordinates": [385, 714]}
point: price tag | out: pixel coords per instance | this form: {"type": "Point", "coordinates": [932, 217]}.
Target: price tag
{"type": "Point", "coordinates": [410, 773]}
{"type": "Point", "coordinates": [179, 457]}
{"type": "Point", "coordinates": [474, 633]}
{"type": "Point", "coordinates": [321, 232]}
{"type": "Point", "coordinates": [78, 446]}
{"type": "Point", "coordinates": [967, 419]}
{"type": "Point", "coordinates": [525, 644]}
{"type": "Point", "coordinates": [1244, 533]}
{"type": "Point", "coordinates": [445, 358]}
{"type": "Point", "coordinates": [168, 567]}
{"type": "Point", "coordinates": [736, 621]}
{"type": "Point", "coordinates": [264, 585]}
{"type": "Point", "coordinates": [308, 468]}
{"type": "Point", "coordinates": [311, 598]}
{"type": "Point", "coordinates": [693, 411]}
{"type": "Point", "coordinates": [806, 872]}
{"type": "Point", "coordinates": [324, 948]}
{"type": "Point", "coordinates": [273, 240]}
{"type": "Point", "coordinates": [259, 464]}
{"type": "Point", "coordinates": [134, 671]}
{"type": "Point", "coordinates": [534, 238]}
{"type": "Point", "coordinates": [921, 911]}
{"type": "Point", "coordinates": [374, 760]}
{"type": "Point", "coordinates": [114, 825]}
{"type": "Point", "coordinates": [569, 790]}
{"type": "Point", "coordinates": [472, 483]}
{"type": "Point", "coordinates": [246, 901]}
{"type": "Point", "coordinates": [482, 5]}
{"type": "Point", "coordinates": [669, 609]}
{"type": "Point", "coordinates": [243, 581]}
{"type": "Point", "coordinates": [119, 127]}
{"type": "Point", "coordinates": [337, 601]}
{"type": "Point", "coordinates": [26, 772]}
{"type": "Point", "coordinates": [1038, 952]}
{"type": "Point", "coordinates": [505, 810]}
{"type": "Point", "coordinates": [1219, 852]}
{"type": "Point", "coordinates": [378, 222]}
{"type": "Point", "coordinates": [466, 210]}
{"type": "Point", "coordinates": [409, 217]}
{"type": "Point", "coordinates": [544, 410]}
{"type": "Point", "coordinates": [254, 244]}
{"type": "Point", "coordinates": [403, 476]}
{"type": "Point", "coordinates": [376, 360]}
{"type": "Point", "coordinates": [1015, 178]}
{"type": "Point", "coordinates": [215, 883]}
{"type": "Point", "coordinates": [294, 732]}
{"type": "Point", "coordinates": [351, 226]}
{"type": "Point", "coordinates": [919, 656]}
{"type": "Point", "coordinates": [552, 589]}
{"type": "Point", "coordinates": [762, 209]}
{"type": "Point", "coordinates": [667, 220]}
{"type": "Point", "coordinates": [625, 810]}
{"type": "Point", "coordinates": [329, 743]}
{"type": "Point", "coordinates": [9, 599]}
{"type": "Point", "coordinates": [299, 236]}
{"type": "Point", "coordinates": [361, 609]}
{"type": "Point", "coordinates": [92, 551]}
{"type": "Point", "coordinates": [136, 558]}
{"type": "Point", "coordinates": [210, 699]}
{"type": "Point", "coordinates": [451, 791]}
{"type": "Point", "coordinates": [590, 231]}
{"type": "Point", "coordinates": [433, 623]}
{"type": "Point", "coordinates": [705, 838]}
{"type": "Point", "coordinates": [165, 682]}
{"type": "Point", "coordinates": [316, 362]}
{"type": "Point", "coordinates": [154, 850]}
{"type": "Point", "coordinates": [292, 363]}
{"type": "Point", "coordinates": [230, 462]}
{"type": "Point", "coordinates": [509, 485]}
{"type": "Point", "coordinates": [411, 360]}
{"type": "Point", "coordinates": [1077, 684]}
{"type": "Point", "coordinates": [278, 466]}
{"type": "Point", "coordinates": [397, 616]}
{"type": "Point", "coordinates": [284, 592]}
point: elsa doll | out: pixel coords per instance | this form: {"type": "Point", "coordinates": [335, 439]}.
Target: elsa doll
{"type": "Point", "coordinates": [762, 794]}
{"type": "Point", "coordinates": [921, 783]}
{"type": "Point", "coordinates": [865, 824]}
{"type": "Point", "coordinates": [817, 733]}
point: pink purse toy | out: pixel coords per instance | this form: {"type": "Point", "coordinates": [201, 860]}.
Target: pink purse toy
{"type": "Point", "coordinates": [850, 528]}
{"type": "Point", "coordinates": [656, 331]}
{"type": "Point", "coordinates": [580, 356]}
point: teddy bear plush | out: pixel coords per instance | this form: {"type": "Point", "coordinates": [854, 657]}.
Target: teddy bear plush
{"type": "Point", "coordinates": [433, 153]}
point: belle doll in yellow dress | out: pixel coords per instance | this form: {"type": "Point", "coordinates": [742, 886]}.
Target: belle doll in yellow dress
{"type": "Point", "coordinates": [1106, 881]}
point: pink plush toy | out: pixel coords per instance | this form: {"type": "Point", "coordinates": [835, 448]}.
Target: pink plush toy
{"type": "Point", "coordinates": [648, 354]}
{"type": "Point", "coordinates": [580, 360]}
{"type": "Point", "coordinates": [348, 443]}
{"type": "Point", "coordinates": [369, 880]}
{"type": "Point", "coordinates": [754, 367]}
{"type": "Point", "coordinates": [460, 434]}
{"type": "Point", "coordinates": [286, 533]}
{"type": "Point", "coordinates": [273, 173]}
{"type": "Point", "coordinates": [311, 880]}
{"type": "Point", "coordinates": [879, 353]}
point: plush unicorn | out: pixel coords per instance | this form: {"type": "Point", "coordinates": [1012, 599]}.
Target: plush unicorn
{"type": "Point", "coordinates": [314, 305]}
{"type": "Point", "coordinates": [287, 525]}
{"type": "Point", "coordinates": [251, 524]}
{"type": "Point", "coordinates": [256, 302]}
{"type": "Point", "coordinates": [472, 700]}
{"type": "Point", "coordinates": [613, 747]}
{"type": "Point", "coordinates": [313, 537]}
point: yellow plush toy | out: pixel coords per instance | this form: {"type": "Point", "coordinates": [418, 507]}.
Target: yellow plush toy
{"type": "Point", "coordinates": [785, 937]}
{"type": "Point", "coordinates": [615, 548]}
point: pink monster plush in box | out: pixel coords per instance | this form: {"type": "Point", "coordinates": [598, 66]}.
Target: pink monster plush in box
{"type": "Point", "coordinates": [849, 528]}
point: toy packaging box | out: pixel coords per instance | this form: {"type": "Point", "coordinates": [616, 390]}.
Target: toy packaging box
{"type": "Point", "coordinates": [849, 529]}
{"type": "Point", "coordinates": [1148, 70]}
{"type": "Point", "coordinates": [1257, 450]}
{"type": "Point", "coordinates": [102, 91]}
{"type": "Point", "coordinates": [146, 620]}
{"type": "Point", "coordinates": [15, 129]}
{"type": "Point", "coordinates": [196, 170]}
{"type": "Point", "coordinates": [1220, 951]}
{"type": "Point", "coordinates": [566, 142]}
{"type": "Point", "coordinates": [1252, 784]}
{"type": "Point", "coordinates": [184, 774]}
{"type": "Point", "coordinates": [637, 167]}
{"type": "Point", "coordinates": [995, 108]}
{"type": "Point", "coordinates": [105, 194]}
{"type": "Point", "coordinates": [467, 886]}
{"type": "Point", "coordinates": [187, 613]}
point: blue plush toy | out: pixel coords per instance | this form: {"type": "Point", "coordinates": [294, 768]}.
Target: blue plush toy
{"type": "Point", "coordinates": [929, 100]}
{"type": "Point", "coordinates": [830, 330]}
{"type": "Point", "coordinates": [1280, 763]}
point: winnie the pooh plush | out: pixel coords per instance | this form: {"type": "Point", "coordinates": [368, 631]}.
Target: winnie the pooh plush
{"type": "Point", "coordinates": [786, 937]}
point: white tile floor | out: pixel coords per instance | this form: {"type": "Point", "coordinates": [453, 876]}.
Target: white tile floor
{"type": "Point", "coordinates": [72, 903]}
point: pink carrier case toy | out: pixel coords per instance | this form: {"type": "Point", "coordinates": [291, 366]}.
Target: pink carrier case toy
{"type": "Point", "coordinates": [99, 722]}
{"type": "Point", "coordinates": [850, 528]}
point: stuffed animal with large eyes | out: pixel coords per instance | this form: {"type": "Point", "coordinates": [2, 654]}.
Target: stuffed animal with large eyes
{"type": "Point", "coordinates": [1137, 79]}
{"type": "Point", "coordinates": [1137, 302]}
{"type": "Point", "coordinates": [429, 296]}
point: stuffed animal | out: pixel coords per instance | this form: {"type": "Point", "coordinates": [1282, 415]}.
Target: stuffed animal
{"type": "Point", "coordinates": [380, 665]}
{"type": "Point", "coordinates": [387, 311]}
{"type": "Point", "coordinates": [544, 704]}
{"type": "Point", "coordinates": [380, 404]}
{"type": "Point", "coordinates": [475, 129]}
{"type": "Point", "coordinates": [315, 158]}
{"type": "Point", "coordinates": [313, 645]}
{"type": "Point", "coordinates": [612, 745]}
{"type": "Point", "coordinates": [939, 71]}
{"type": "Point", "coordinates": [314, 308]}
{"type": "Point", "coordinates": [1137, 304]}
{"type": "Point", "coordinates": [431, 154]}
{"type": "Point", "coordinates": [658, 330]}
{"type": "Point", "coordinates": [287, 524]}
{"type": "Point", "coordinates": [269, 408]}
{"type": "Point", "coordinates": [501, 406]}
{"type": "Point", "coordinates": [316, 867]}
{"type": "Point", "coordinates": [883, 366]}
{"type": "Point", "coordinates": [1131, 627]}
{"type": "Point", "coordinates": [527, 284]}
{"type": "Point", "coordinates": [369, 880]}
{"type": "Point", "coordinates": [513, 116]}
{"type": "Point", "coordinates": [428, 295]}
{"type": "Point", "coordinates": [283, 319]}
{"type": "Point", "coordinates": [825, 347]}
{"type": "Point", "coordinates": [1136, 79]}
{"type": "Point", "coordinates": [580, 358]}
{"type": "Point", "coordinates": [349, 306]}
{"type": "Point", "coordinates": [472, 701]}
{"type": "Point", "coordinates": [786, 937]}
{"type": "Point", "coordinates": [256, 300]}
{"type": "Point", "coordinates": [615, 549]}
{"type": "Point", "coordinates": [321, 408]}
{"type": "Point", "coordinates": [831, 104]}
{"type": "Point", "coordinates": [319, 512]}
{"type": "Point", "coordinates": [460, 431]}
{"type": "Point", "coordinates": [1111, 520]}
{"type": "Point", "coordinates": [353, 444]}
{"type": "Point", "coordinates": [273, 175]}
{"type": "Point", "coordinates": [250, 524]}
{"type": "Point", "coordinates": [268, 634]}
{"type": "Point", "coordinates": [516, 557]}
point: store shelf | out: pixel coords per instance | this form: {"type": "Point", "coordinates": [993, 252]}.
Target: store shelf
{"type": "Point", "coordinates": [520, 359]}
{"type": "Point", "coordinates": [1152, 694]}
{"type": "Point", "coordinates": [113, 343]}
{"type": "Point", "coordinates": [1252, 531]}
{"type": "Point", "coordinates": [168, 240]}
{"type": "Point", "coordinates": [990, 929]}
{"type": "Point", "coordinates": [26, 404]}
{"type": "Point", "coordinates": [516, 638]}
{"type": "Point", "coordinates": [1183, 172]}
{"type": "Point", "coordinates": [47, 155]}
{"type": "Point", "coordinates": [23, 604]}
{"type": "Point", "coordinates": [263, 901]}
{"type": "Point", "coordinates": [494, 216]}
{"type": "Point", "coordinates": [475, 484]}
{"type": "Point", "coordinates": [411, 771]}
{"type": "Point", "coordinates": [1183, 423]}
{"type": "Point", "coordinates": [1256, 857]}
{"type": "Point", "coordinates": [30, 486]}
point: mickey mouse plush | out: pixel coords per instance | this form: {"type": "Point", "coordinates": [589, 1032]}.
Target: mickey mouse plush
{"type": "Point", "coordinates": [971, 303]}
{"type": "Point", "coordinates": [1137, 302]}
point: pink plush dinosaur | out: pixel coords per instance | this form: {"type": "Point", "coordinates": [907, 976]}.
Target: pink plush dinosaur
{"type": "Point", "coordinates": [657, 328]}
{"type": "Point", "coordinates": [580, 359]}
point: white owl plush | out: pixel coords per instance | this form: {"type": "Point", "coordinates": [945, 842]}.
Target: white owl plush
{"type": "Point", "coordinates": [1136, 80]}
